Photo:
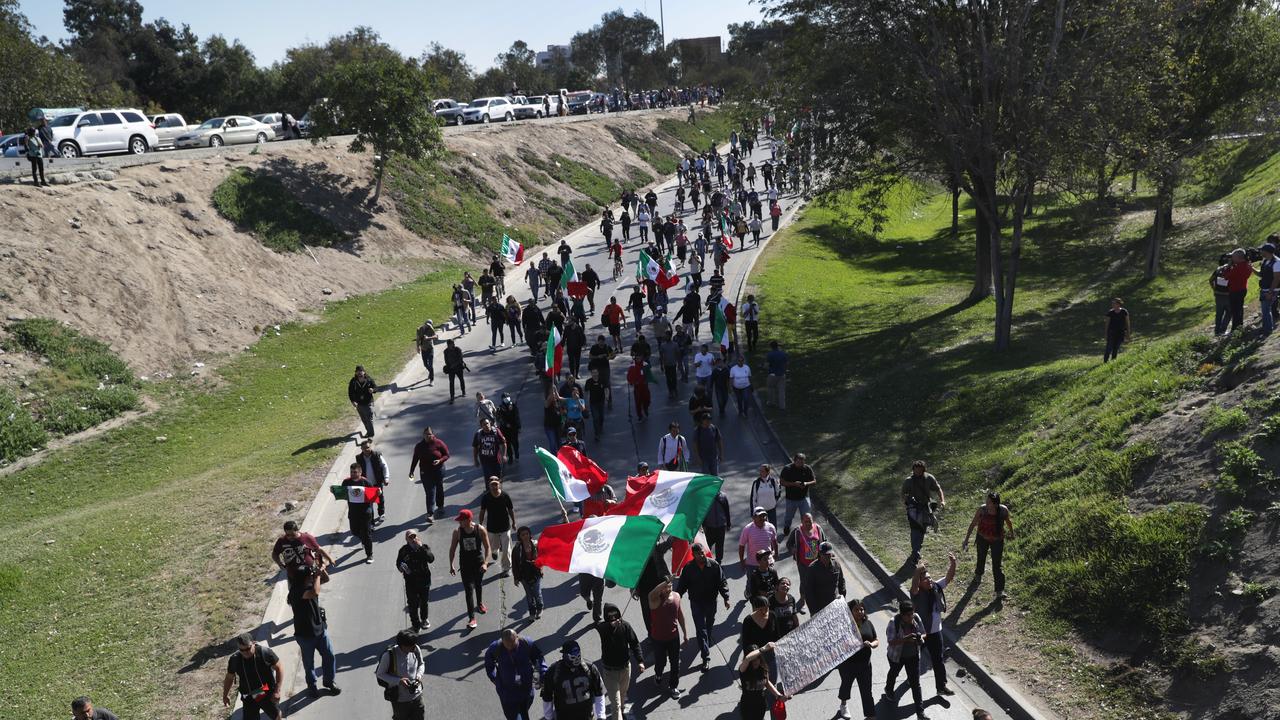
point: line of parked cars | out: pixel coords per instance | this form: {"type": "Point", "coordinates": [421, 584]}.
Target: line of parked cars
{"type": "Point", "coordinates": [505, 108]}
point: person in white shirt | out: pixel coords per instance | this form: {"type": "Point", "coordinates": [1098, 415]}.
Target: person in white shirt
{"type": "Point", "coordinates": [702, 363]}
{"type": "Point", "coordinates": [673, 451]}
{"type": "Point", "coordinates": [740, 379]}
{"type": "Point", "coordinates": [766, 491]}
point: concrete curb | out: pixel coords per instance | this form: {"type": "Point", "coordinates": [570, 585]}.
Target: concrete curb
{"type": "Point", "coordinates": [1011, 700]}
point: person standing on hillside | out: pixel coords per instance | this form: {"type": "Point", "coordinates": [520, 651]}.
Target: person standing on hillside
{"type": "Point", "coordinates": [1117, 328]}
{"type": "Point", "coordinates": [1268, 280]}
{"type": "Point", "coordinates": [414, 563]}
{"type": "Point", "coordinates": [374, 467]}
{"type": "Point", "coordinates": [470, 545]}
{"type": "Point", "coordinates": [514, 666]}
{"type": "Point", "coordinates": [360, 514]}
{"type": "Point", "coordinates": [360, 390]}
{"type": "Point", "coordinates": [917, 490]}
{"type": "Point", "coordinates": [454, 367]}
{"type": "Point", "coordinates": [426, 342]}
{"type": "Point", "coordinates": [260, 675]}
{"type": "Point", "coordinates": [797, 478]}
{"type": "Point", "coordinates": [1238, 274]}
{"type": "Point", "coordinates": [310, 631]}
{"type": "Point", "coordinates": [1221, 298]}
{"type": "Point", "coordinates": [498, 515]}
{"type": "Point", "coordinates": [431, 453]}
{"type": "Point", "coordinates": [82, 709]}
{"type": "Point", "coordinates": [994, 524]}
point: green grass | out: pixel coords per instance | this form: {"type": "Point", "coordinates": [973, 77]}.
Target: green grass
{"type": "Point", "coordinates": [20, 434]}
{"type": "Point", "coordinates": [600, 188]}
{"type": "Point", "coordinates": [446, 199]}
{"type": "Point", "coordinates": [1221, 420]}
{"type": "Point", "coordinates": [1045, 423]}
{"type": "Point", "coordinates": [711, 127]}
{"type": "Point", "coordinates": [656, 154]}
{"type": "Point", "coordinates": [82, 384]}
{"type": "Point", "coordinates": [257, 202]}
{"type": "Point", "coordinates": [128, 557]}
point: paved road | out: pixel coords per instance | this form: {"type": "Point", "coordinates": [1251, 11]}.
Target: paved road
{"type": "Point", "coordinates": [365, 603]}
{"type": "Point", "coordinates": [19, 167]}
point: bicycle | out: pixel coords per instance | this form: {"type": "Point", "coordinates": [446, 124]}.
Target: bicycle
{"type": "Point", "coordinates": [617, 266]}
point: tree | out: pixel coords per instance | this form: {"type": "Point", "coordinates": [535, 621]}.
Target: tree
{"type": "Point", "coordinates": [304, 66]}
{"type": "Point", "coordinates": [627, 50]}
{"type": "Point", "coordinates": [518, 66]}
{"type": "Point", "coordinates": [231, 80]}
{"type": "Point", "coordinates": [37, 74]}
{"type": "Point", "coordinates": [386, 101]}
{"type": "Point", "coordinates": [450, 73]}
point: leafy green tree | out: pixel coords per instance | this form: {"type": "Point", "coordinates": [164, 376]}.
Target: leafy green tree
{"type": "Point", "coordinates": [37, 74]}
{"type": "Point", "coordinates": [304, 68]}
{"type": "Point", "coordinates": [451, 74]}
{"type": "Point", "coordinates": [627, 50]}
{"type": "Point", "coordinates": [386, 102]}
{"type": "Point", "coordinates": [519, 68]}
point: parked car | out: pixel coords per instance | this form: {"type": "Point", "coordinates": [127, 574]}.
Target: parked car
{"type": "Point", "coordinates": [489, 109]}
{"type": "Point", "coordinates": [229, 130]}
{"type": "Point", "coordinates": [275, 120]}
{"type": "Point", "coordinates": [448, 111]}
{"type": "Point", "coordinates": [168, 128]}
{"type": "Point", "coordinates": [578, 102]}
{"type": "Point", "coordinates": [94, 132]}
{"type": "Point", "coordinates": [528, 108]}
{"type": "Point", "coordinates": [13, 146]}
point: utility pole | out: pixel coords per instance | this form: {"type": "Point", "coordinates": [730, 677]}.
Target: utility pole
{"type": "Point", "coordinates": [662, 24]}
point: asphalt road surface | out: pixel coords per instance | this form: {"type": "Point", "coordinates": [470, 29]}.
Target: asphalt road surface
{"type": "Point", "coordinates": [366, 603]}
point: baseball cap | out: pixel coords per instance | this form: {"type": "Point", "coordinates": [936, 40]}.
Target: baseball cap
{"type": "Point", "coordinates": [571, 648]}
{"type": "Point", "coordinates": [572, 430]}
{"type": "Point", "coordinates": [759, 511]}
{"type": "Point", "coordinates": [763, 552]}
{"type": "Point", "coordinates": [827, 548]}
{"type": "Point", "coordinates": [1268, 247]}
{"type": "Point", "coordinates": [906, 606]}
{"type": "Point", "coordinates": [463, 514]}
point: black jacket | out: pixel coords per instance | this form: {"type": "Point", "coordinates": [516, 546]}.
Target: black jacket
{"type": "Point", "coordinates": [418, 561]}
{"type": "Point", "coordinates": [701, 584]}
{"type": "Point", "coordinates": [823, 585]}
{"type": "Point", "coordinates": [453, 362]}
{"type": "Point", "coordinates": [575, 338]}
{"type": "Point", "coordinates": [360, 391]}
{"type": "Point", "coordinates": [618, 645]}
{"type": "Point", "coordinates": [508, 417]}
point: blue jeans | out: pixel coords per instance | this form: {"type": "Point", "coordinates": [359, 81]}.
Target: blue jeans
{"type": "Point", "coordinates": [704, 618]}
{"type": "Point", "coordinates": [637, 314]}
{"type": "Point", "coordinates": [1268, 320]}
{"type": "Point", "coordinates": [308, 647]}
{"type": "Point", "coordinates": [553, 439]}
{"type": "Point", "coordinates": [743, 397]}
{"type": "Point", "coordinates": [464, 320]}
{"type": "Point", "coordinates": [793, 506]}
{"type": "Point", "coordinates": [533, 594]}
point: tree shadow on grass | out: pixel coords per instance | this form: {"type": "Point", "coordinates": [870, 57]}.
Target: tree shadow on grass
{"type": "Point", "coordinates": [338, 198]}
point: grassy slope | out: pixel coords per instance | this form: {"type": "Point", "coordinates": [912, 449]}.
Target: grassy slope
{"type": "Point", "coordinates": [257, 202]}
{"type": "Point", "coordinates": [1043, 423]}
{"type": "Point", "coordinates": [115, 545]}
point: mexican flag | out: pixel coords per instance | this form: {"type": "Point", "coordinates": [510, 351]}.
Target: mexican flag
{"type": "Point", "coordinates": [679, 499]}
{"type": "Point", "coordinates": [573, 476]}
{"type": "Point", "coordinates": [555, 353]}
{"type": "Point", "coordinates": [355, 494]}
{"type": "Point", "coordinates": [725, 236]}
{"type": "Point", "coordinates": [682, 551]}
{"type": "Point", "coordinates": [719, 324]}
{"type": "Point", "coordinates": [611, 547]}
{"type": "Point", "coordinates": [512, 250]}
{"type": "Point", "coordinates": [656, 270]}
{"type": "Point", "coordinates": [571, 283]}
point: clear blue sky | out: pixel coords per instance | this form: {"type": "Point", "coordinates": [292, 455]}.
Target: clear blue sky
{"type": "Point", "coordinates": [479, 29]}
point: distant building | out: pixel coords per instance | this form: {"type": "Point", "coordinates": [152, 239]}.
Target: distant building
{"type": "Point", "coordinates": [546, 58]}
{"type": "Point", "coordinates": [697, 52]}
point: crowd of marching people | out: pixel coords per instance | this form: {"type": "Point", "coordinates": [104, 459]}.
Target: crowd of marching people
{"type": "Point", "coordinates": [787, 566]}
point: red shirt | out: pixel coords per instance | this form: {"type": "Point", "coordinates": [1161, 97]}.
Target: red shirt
{"type": "Point", "coordinates": [1238, 275]}
{"type": "Point", "coordinates": [613, 314]}
{"type": "Point", "coordinates": [296, 553]}
{"type": "Point", "coordinates": [635, 376]}
{"type": "Point", "coordinates": [664, 622]}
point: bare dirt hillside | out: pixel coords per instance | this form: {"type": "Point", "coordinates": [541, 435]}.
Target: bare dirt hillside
{"type": "Point", "coordinates": [145, 263]}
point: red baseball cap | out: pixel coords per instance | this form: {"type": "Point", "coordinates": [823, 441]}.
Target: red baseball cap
{"type": "Point", "coordinates": [464, 514]}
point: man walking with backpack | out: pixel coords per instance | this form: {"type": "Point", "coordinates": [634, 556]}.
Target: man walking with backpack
{"type": "Point", "coordinates": [311, 631]}
{"type": "Point", "coordinates": [399, 672]}
{"type": "Point", "coordinates": [259, 673]}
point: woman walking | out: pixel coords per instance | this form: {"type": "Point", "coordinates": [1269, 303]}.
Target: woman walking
{"type": "Point", "coordinates": [35, 153]}
{"type": "Point", "coordinates": [858, 665]}
{"type": "Point", "coordinates": [994, 524]}
{"type": "Point", "coordinates": [525, 571]}
{"type": "Point", "coordinates": [753, 674]}
{"type": "Point", "coordinates": [1117, 329]}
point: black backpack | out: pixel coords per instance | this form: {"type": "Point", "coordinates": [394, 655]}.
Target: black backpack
{"type": "Point", "coordinates": [391, 691]}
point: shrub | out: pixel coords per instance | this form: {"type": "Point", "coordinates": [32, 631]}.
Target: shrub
{"type": "Point", "coordinates": [1242, 468]}
{"type": "Point", "coordinates": [20, 434]}
{"type": "Point", "coordinates": [1222, 420]}
{"type": "Point", "coordinates": [82, 409]}
{"type": "Point", "coordinates": [69, 351]}
{"type": "Point", "coordinates": [258, 203]}
{"type": "Point", "coordinates": [1257, 592]}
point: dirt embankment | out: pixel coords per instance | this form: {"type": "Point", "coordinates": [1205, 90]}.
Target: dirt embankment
{"type": "Point", "coordinates": [145, 263]}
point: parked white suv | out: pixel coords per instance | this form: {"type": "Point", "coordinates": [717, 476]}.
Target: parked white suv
{"type": "Point", "coordinates": [489, 109]}
{"type": "Point", "coordinates": [95, 132]}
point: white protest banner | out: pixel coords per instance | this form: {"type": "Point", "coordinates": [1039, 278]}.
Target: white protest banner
{"type": "Point", "coordinates": [816, 647]}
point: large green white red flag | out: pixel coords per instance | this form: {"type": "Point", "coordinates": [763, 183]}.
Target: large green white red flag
{"type": "Point", "coordinates": [571, 282]}
{"type": "Point", "coordinates": [679, 499]}
{"type": "Point", "coordinates": [355, 494]}
{"type": "Point", "coordinates": [720, 323]}
{"type": "Point", "coordinates": [555, 353]}
{"type": "Point", "coordinates": [512, 250]}
{"type": "Point", "coordinates": [613, 547]}
{"type": "Point", "coordinates": [655, 270]}
{"type": "Point", "coordinates": [573, 476]}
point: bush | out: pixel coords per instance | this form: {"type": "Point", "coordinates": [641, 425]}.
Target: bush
{"type": "Point", "coordinates": [69, 351]}
{"type": "Point", "coordinates": [20, 434]}
{"type": "Point", "coordinates": [259, 204]}
{"type": "Point", "coordinates": [82, 409]}
{"type": "Point", "coordinates": [1242, 468]}
{"type": "Point", "coordinates": [1221, 420]}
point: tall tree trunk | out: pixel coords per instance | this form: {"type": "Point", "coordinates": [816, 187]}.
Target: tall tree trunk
{"type": "Point", "coordinates": [955, 210]}
{"type": "Point", "coordinates": [1159, 228]}
{"type": "Point", "coordinates": [1004, 321]}
{"type": "Point", "coordinates": [1133, 183]}
{"type": "Point", "coordinates": [379, 167]}
{"type": "Point", "coordinates": [982, 255]}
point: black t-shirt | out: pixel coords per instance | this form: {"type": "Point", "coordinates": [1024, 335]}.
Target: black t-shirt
{"type": "Point", "coordinates": [308, 618]}
{"type": "Point", "coordinates": [254, 673]}
{"type": "Point", "coordinates": [486, 443]}
{"type": "Point", "coordinates": [753, 634]}
{"type": "Point", "coordinates": [1116, 320]}
{"type": "Point", "coordinates": [1266, 272]}
{"type": "Point", "coordinates": [595, 391]}
{"type": "Point", "coordinates": [497, 512]}
{"type": "Point", "coordinates": [470, 548]}
{"type": "Point", "coordinates": [794, 473]}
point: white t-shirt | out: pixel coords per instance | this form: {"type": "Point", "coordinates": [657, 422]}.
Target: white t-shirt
{"type": "Point", "coordinates": [671, 449]}
{"type": "Point", "coordinates": [703, 361]}
{"type": "Point", "coordinates": [740, 375]}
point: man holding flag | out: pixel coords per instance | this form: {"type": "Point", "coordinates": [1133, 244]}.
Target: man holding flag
{"type": "Point", "coordinates": [361, 496]}
{"type": "Point", "coordinates": [513, 252]}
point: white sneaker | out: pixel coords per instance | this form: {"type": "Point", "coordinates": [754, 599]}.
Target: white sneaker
{"type": "Point", "coordinates": [843, 712]}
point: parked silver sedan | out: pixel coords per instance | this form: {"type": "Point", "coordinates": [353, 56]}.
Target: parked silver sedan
{"type": "Point", "coordinates": [229, 130]}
